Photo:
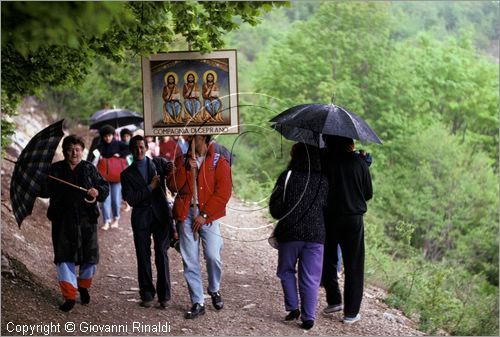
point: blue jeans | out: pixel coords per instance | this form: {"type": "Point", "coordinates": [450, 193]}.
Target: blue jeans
{"type": "Point", "coordinates": [112, 203]}
{"type": "Point", "coordinates": [339, 257]}
{"type": "Point", "coordinates": [190, 251]}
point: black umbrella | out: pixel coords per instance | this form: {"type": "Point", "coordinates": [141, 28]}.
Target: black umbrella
{"type": "Point", "coordinates": [116, 118]}
{"type": "Point", "coordinates": [307, 122]}
{"type": "Point", "coordinates": [300, 134]}
{"type": "Point", "coordinates": [31, 169]}
{"type": "Point", "coordinates": [99, 113]}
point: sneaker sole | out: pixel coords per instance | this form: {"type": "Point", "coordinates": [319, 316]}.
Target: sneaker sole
{"type": "Point", "coordinates": [352, 321]}
{"type": "Point", "coordinates": [332, 310]}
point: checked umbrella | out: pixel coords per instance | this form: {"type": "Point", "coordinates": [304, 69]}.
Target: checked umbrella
{"type": "Point", "coordinates": [32, 168]}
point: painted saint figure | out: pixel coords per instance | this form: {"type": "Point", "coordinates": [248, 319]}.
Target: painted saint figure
{"type": "Point", "coordinates": [190, 92]}
{"type": "Point", "coordinates": [171, 97]}
{"type": "Point", "coordinates": [210, 91]}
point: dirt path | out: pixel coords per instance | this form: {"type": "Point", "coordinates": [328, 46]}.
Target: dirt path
{"type": "Point", "coordinates": [250, 288]}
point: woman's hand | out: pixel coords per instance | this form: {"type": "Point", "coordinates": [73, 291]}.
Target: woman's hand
{"type": "Point", "coordinates": [93, 192]}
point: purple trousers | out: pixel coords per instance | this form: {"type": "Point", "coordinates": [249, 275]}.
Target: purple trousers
{"type": "Point", "coordinates": [310, 258]}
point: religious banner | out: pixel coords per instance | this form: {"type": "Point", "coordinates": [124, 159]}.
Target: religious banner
{"type": "Point", "coordinates": [188, 93]}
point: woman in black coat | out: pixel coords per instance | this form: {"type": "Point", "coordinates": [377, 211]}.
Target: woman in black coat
{"type": "Point", "coordinates": [74, 220]}
{"type": "Point", "coordinates": [298, 201]}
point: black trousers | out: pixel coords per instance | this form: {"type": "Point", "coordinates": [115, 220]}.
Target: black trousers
{"type": "Point", "coordinates": [142, 241]}
{"type": "Point", "coordinates": [348, 231]}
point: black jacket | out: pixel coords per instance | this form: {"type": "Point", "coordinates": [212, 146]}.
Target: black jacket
{"type": "Point", "coordinates": [108, 150]}
{"type": "Point", "coordinates": [147, 204]}
{"type": "Point", "coordinates": [350, 184]}
{"type": "Point", "coordinates": [301, 215]}
{"type": "Point", "coordinates": [74, 221]}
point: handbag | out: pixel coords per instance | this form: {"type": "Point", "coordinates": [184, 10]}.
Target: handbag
{"type": "Point", "coordinates": [272, 239]}
{"type": "Point", "coordinates": [111, 168]}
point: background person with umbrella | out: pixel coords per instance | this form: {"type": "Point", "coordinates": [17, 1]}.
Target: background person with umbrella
{"type": "Point", "coordinates": [109, 148]}
{"type": "Point", "coordinates": [74, 220]}
{"type": "Point", "coordinates": [351, 183]}
{"type": "Point", "coordinates": [114, 117]}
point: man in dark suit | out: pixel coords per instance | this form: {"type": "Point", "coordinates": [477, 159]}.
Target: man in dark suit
{"type": "Point", "coordinates": [143, 187]}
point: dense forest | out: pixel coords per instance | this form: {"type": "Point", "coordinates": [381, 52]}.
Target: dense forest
{"type": "Point", "coordinates": [424, 75]}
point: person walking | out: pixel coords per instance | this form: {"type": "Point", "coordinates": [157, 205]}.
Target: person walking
{"type": "Point", "coordinates": [74, 220]}
{"type": "Point", "coordinates": [198, 217]}
{"type": "Point", "coordinates": [298, 201]}
{"type": "Point", "coordinates": [109, 148]}
{"type": "Point", "coordinates": [143, 187]}
{"type": "Point", "coordinates": [349, 176]}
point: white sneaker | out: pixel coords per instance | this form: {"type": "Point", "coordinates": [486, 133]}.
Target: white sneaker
{"type": "Point", "coordinates": [350, 320]}
{"type": "Point", "coordinates": [114, 224]}
{"type": "Point", "coordinates": [333, 308]}
{"type": "Point", "coordinates": [105, 227]}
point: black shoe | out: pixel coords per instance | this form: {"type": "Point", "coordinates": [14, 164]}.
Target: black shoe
{"type": "Point", "coordinates": [307, 325]}
{"type": "Point", "coordinates": [146, 303]}
{"type": "Point", "coordinates": [217, 301]}
{"type": "Point", "coordinates": [163, 304]}
{"type": "Point", "coordinates": [196, 310]}
{"type": "Point", "coordinates": [84, 295]}
{"type": "Point", "coordinates": [67, 306]}
{"type": "Point", "coordinates": [293, 315]}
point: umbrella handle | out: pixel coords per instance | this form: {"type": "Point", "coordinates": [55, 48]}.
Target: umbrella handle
{"type": "Point", "coordinates": [90, 201]}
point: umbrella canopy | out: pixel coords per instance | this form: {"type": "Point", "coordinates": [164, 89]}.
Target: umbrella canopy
{"type": "Point", "coordinates": [300, 134]}
{"type": "Point", "coordinates": [31, 169]}
{"type": "Point", "coordinates": [310, 121]}
{"type": "Point", "coordinates": [115, 118]}
{"type": "Point", "coordinates": [99, 113]}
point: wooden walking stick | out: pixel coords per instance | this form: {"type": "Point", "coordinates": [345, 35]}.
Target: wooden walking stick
{"type": "Point", "coordinates": [75, 186]}
{"type": "Point", "coordinates": [194, 170]}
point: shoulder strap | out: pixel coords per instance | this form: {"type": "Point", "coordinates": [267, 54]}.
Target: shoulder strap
{"type": "Point", "coordinates": [289, 173]}
{"type": "Point", "coordinates": [216, 159]}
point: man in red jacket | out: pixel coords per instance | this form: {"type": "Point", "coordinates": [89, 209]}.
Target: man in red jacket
{"type": "Point", "coordinates": [198, 214]}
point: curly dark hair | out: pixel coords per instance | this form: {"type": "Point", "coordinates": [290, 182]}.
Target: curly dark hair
{"type": "Point", "coordinates": [72, 140]}
{"type": "Point", "coordinates": [125, 132]}
{"type": "Point", "coordinates": [106, 130]}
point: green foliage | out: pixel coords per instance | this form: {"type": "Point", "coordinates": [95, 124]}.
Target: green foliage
{"type": "Point", "coordinates": [7, 125]}
{"type": "Point", "coordinates": [432, 228]}
{"type": "Point", "coordinates": [108, 83]}
{"type": "Point", "coordinates": [446, 191]}
{"type": "Point", "coordinates": [30, 26]}
{"type": "Point", "coordinates": [447, 18]}
{"type": "Point", "coordinates": [440, 296]}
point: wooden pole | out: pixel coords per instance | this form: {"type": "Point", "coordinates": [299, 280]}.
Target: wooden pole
{"type": "Point", "coordinates": [194, 170]}
{"type": "Point", "coordinates": [75, 186]}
